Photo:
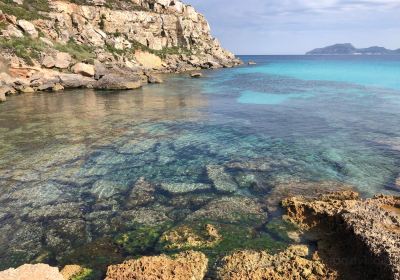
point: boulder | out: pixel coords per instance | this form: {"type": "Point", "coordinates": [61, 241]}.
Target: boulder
{"type": "Point", "coordinates": [27, 89]}
{"type": "Point", "coordinates": [5, 90]}
{"type": "Point", "coordinates": [62, 60]}
{"type": "Point", "coordinates": [2, 97]}
{"type": "Point", "coordinates": [14, 31]}
{"type": "Point", "coordinates": [188, 265]}
{"type": "Point", "coordinates": [57, 87]}
{"type": "Point", "coordinates": [154, 79]}
{"type": "Point", "coordinates": [32, 271]}
{"type": "Point", "coordinates": [76, 81]}
{"type": "Point", "coordinates": [48, 61]}
{"type": "Point", "coordinates": [28, 28]}
{"type": "Point", "coordinates": [83, 69]}
{"type": "Point", "coordinates": [196, 75]}
{"type": "Point", "coordinates": [115, 81]}
{"type": "Point", "coordinates": [99, 70]}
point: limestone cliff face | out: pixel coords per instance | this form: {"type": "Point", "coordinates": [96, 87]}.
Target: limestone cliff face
{"type": "Point", "coordinates": [168, 28]}
{"type": "Point", "coordinates": [105, 44]}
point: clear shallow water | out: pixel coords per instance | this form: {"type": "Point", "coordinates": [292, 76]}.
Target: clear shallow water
{"type": "Point", "coordinates": [70, 162]}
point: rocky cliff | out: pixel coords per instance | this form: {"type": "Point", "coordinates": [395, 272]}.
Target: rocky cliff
{"type": "Point", "coordinates": [98, 38]}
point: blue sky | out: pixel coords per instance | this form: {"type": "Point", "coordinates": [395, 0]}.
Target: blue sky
{"type": "Point", "coordinates": [297, 26]}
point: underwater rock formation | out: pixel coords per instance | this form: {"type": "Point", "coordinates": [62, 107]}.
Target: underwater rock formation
{"type": "Point", "coordinates": [188, 265]}
{"type": "Point", "coordinates": [293, 187]}
{"type": "Point", "coordinates": [182, 188]}
{"type": "Point", "coordinates": [230, 209]}
{"type": "Point", "coordinates": [222, 181]}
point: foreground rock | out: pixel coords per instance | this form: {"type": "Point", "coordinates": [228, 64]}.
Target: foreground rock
{"type": "Point", "coordinates": [293, 263]}
{"type": "Point", "coordinates": [367, 231]}
{"type": "Point", "coordinates": [32, 271]}
{"type": "Point", "coordinates": [184, 266]}
{"type": "Point", "coordinates": [185, 237]}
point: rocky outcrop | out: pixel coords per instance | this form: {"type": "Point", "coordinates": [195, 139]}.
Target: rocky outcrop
{"type": "Point", "coordinates": [32, 271]}
{"type": "Point", "coordinates": [369, 230]}
{"type": "Point", "coordinates": [296, 262]}
{"type": "Point", "coordinates": [28, 28]}
{"type": "Point", "coordinates": [188, 265]}
{"type": "Point", "coordinates": [185, 237]}
{"type": "Point", "coordinates": [150, 35]}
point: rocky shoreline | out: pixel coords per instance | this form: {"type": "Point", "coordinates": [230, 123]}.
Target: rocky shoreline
{"type": "Point", "coordinates": [54, 45]}
{"type": "Point", "coordinates": [343, 237]}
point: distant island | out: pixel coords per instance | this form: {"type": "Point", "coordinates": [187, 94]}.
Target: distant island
{"type": "Point", "coordinates": [349, 49]}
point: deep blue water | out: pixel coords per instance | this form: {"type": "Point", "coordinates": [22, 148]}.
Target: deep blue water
{"type": "Point", "coordinates": [292, 119]}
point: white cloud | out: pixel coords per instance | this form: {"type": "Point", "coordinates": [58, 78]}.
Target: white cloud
{"type": "Point", "coordinates": [266, 26]}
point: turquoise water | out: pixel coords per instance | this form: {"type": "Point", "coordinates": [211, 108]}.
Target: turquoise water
{"type": "Point", "coordinates": [72, 164]}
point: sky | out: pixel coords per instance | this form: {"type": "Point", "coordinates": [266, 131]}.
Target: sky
{"type": "Point", "coordinates": [297, 26]}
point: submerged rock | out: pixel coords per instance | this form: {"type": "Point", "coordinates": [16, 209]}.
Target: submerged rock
{"type": "Point", "coordinates": [182, 188]}
{"type": "Point", "coordinates": [230, 210]}
{"type": "Point", "coordinates": [184, 266]}
{"type": "Point", "coordinates": [141, 194]}
{"type": "Point", "coordinates": [293, 263]}
{"type": "Point", "coordinates": [32, 271]}
{"type": "Point", "coordinates": [222, 181]}
{"type": "Point", "coordinates": [152, 79]}
{"type": "Point", "coordinates": [2, 97]}
{"type": "Point", "coordinates": [282, 190]}
{"type": "Point", "coordinates": [196, 75]}
{"type": "Point", "coordinates": [370, 227]}
{"type": "Point", "coordinates": [257, 164]}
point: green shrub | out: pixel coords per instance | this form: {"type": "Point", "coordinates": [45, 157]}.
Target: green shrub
{"type": "Point", "coordinates": [29, 10]}
{"type": "Point", "coordinates": [77, 51]}
{"type": "Point", "coordinates": [25, 47]}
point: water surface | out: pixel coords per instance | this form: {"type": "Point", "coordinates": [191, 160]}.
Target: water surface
{"type": "Point", "coordinates": [72, 164]}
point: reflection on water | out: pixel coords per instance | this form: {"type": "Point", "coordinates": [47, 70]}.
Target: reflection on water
{"type": "Point", "coordinates": [106, 174]}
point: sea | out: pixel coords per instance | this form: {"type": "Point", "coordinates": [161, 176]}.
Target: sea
{"type": "Point", "coordinates": [94, 177]}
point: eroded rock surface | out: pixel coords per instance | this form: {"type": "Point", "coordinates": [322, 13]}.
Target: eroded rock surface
{"type": "Point", "coordinates": [188, 265]}
{"type": "Point", "coordinates": [32, 271]}
{"type": "Point", "coordinates": [370, 228]}
{"type": "Point", "coordinates": [185, 237]}
{"type": "Point", "coordinates": [295, 262]}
